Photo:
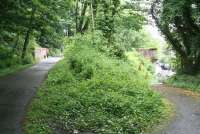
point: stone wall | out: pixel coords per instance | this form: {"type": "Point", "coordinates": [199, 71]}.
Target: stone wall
{"type": "Point", "coordinates": [148, 53]}
{"type": "Point", "coordinates": [41, 54]}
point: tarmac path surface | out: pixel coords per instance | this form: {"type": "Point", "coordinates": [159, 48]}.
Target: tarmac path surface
{"type": "Point", "coordinates": [16, 91]}
{"type": "Point", "coordinates": [187, 110]}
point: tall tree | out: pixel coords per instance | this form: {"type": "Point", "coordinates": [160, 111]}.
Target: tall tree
{"type": "Point", "coordinates": [179, 22]}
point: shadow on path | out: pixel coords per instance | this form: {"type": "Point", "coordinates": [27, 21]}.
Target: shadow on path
{"type": "Point", "coordinates": [187, 107]}
{"type": "Point", "coordinates": [15, 93]}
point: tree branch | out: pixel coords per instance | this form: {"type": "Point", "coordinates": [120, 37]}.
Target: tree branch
{"type": "Point", "coordinates": [166, 32]}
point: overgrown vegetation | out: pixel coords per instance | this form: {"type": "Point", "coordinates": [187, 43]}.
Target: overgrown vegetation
{"type": "Point", "coordinates": [10, 56]}
{"type": "Point", "coordinates": [89, 91]}
{"type": "Point", "coordinates": [190, 82]}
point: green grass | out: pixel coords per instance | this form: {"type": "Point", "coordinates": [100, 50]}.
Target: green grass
{"type": "Point", "coordinates": [13, 69]}
{"type": "Point", "coordinates": [185, 81]}
{"type": "Point", "coordinates": [91, 92]}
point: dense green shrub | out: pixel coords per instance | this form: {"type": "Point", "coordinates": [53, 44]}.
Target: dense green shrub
{"type": "Point", "coordinates": [10, 55]}
{"type": "Point", "coordinates": [7, 58]}
{"type": "Point", "coordinates": [91, 92]}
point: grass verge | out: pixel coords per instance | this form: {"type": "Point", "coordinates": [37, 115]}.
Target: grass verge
{"type": "Point", "coordinates": [185, 81]}
{"type": "Point", "coordinates": [14, 69]}
{"type": "Point", "coordinates": [89, 92]}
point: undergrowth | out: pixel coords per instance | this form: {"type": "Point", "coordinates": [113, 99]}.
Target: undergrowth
{"type": "Point", "coordinates": [91, 92]}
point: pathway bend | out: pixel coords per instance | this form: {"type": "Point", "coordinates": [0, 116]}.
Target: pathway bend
{"type": "Point", "coordinates": [187, 107]}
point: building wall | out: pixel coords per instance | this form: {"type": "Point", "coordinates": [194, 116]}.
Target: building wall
{"type": "Point", "coordinates": [41, 54]}
{"type": "Point", "coordinates": [149, 53]}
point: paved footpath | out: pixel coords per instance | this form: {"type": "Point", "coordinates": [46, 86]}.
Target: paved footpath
{"type": "Point", "coordinates": [187, 107]}
{"type": "Point", "coordinates": [16, 92]}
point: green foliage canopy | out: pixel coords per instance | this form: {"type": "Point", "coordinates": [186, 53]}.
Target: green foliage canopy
{"type": "Point", "coordinates": [179, 21]}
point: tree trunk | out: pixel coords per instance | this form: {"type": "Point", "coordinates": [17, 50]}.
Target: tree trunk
{"type": "Point", "coordinates": [86, 25]}
{"type": "Point", "coordinates": [27, 36]}
{"type": "Point", "coordinates": [16, 44]}
{"type": "Point", "coordinates": [76, 16]}
{"type": "Point", "coordinates": [187, 31]}
{"type": "Point", "coordinates": [189, 66]}
{"type": "Point", "coordinates": [82, 17]}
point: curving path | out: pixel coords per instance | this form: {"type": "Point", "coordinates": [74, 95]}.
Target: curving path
{"type": "Point", "coordinates": [187, 107]}
{"type": "Point", "coordinates": [15, 93]}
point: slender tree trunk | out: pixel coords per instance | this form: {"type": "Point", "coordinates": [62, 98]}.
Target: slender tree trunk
{"type": "Point", "coordinates": [95, 6]}
{"type": "Point", "coordinates": [86, 25]}
{"type": "Point", "coordinates": [27, 36]}
{"type": "Point", "coordinates": [76, 16]}
{"type": "Point", "coordinates": [16, 44]}
{"type": "Point", "coordinates": [82, 17]}
{"type": "Point", "coordinates": [92, 17]}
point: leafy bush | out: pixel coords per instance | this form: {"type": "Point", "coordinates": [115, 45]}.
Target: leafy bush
{"type": "Point", "coordinates": [10, 54]}
{"type": "Point", "coordinates": [91, 92]}
{"type": "Point", "coordinates": [7, 58]}
{"type": "Point", "coordinates": [185, 81]}
{"type": "Point", "coordinates": [29, 59]}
